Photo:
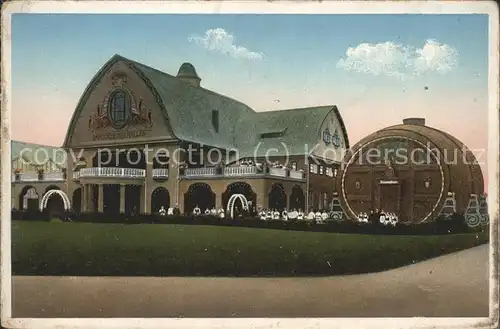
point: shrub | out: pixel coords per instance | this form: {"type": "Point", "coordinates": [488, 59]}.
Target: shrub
{"type": "Point", "coordinates": [453, 225]}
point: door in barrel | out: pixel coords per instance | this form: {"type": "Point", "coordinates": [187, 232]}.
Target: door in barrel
{"type": "Point", "coordinates": [389, 197]}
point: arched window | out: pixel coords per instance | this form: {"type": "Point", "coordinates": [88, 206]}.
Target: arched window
{"type": "Point", "coordinates": [119, 108]}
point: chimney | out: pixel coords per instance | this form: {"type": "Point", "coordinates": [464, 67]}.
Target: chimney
{"type": "Point", "coordinates": [414, 121]}
{"type": "Point", "coordinates": [187, 73]}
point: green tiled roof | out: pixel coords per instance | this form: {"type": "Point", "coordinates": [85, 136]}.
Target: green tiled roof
{"type": "Point", "coordinates": [189, 109]}
{"type": "Point", "coordinates": [300, 126]}
{"type": "Point", "coordinates": [36, 153]}
{"type": "Point", "coordinates": [188, 113]}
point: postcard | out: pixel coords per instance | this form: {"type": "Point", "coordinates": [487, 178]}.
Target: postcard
{"type": "Point", "coordinates": [236, 164]}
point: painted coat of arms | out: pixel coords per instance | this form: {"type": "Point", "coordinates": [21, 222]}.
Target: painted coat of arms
{"type": "Point", "coordinates": [118, 110]}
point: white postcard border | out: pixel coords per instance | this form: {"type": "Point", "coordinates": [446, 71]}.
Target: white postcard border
{"type": "Point", "coordinates": [261, 7]}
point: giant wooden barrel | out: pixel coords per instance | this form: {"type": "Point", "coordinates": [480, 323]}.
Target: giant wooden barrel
{"type": "Point", "coordinates": [408, 169]}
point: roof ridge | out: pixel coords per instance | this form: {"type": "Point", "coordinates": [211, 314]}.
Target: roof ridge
{"type": "Point", "coordinates": [188, 85]}
{"type": "Point", "coordinates": [150, 67]}
{"type": "Point", "coordinates": [300, 109]}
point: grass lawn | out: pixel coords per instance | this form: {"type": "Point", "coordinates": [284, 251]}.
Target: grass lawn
{"type": "Point", "coordinates": [52, 248]}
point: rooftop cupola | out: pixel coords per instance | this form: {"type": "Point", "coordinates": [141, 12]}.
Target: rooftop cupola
{"type": "Point", "coordinates": [187, 73]}
{"type": "Point", "coordinates": [414, 121]}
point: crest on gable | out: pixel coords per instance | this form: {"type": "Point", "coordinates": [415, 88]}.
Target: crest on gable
{"type": "Point", "coordinates": [336, 139]}
{"type": "Point", "coordinates": [119, 79]}
{"type": "Point", "coordinates": [326, 136]}
{"type": "Point", "coordinates": [118, 110]}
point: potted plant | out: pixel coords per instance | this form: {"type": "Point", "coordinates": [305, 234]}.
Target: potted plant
{"type": "Point", "coordinates": [17, 174]}
{"type": "Point", "coordinates": [40, 173]}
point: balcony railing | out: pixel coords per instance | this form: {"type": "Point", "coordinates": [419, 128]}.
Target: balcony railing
{"type": "Point", "coordinates": [296, 174]}
{"type": "Point", "coordinates": [243, 171]}
{"type": "Point", "coordinates": [53, 176]}
{"type": "Point", "coordinates": [199, 172]}
{"type": "Point", "coordinates": [160, 173]}
{"type": "Point", "coordinates": [240, 171]}
{"type": "Point", "coordinates": [34, 177]}
{"type": "Point", "coordinates": [280, 172]}
{"type": "Point", "coordinates": [112, 172]}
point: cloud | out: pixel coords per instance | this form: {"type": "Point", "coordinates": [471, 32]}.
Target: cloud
{"type": "Point", "coordinates": [397, 60]}
{"type": "Point", "coordinates": [219, 40]}
{"type": "Point", "coordinates": [435, 56]}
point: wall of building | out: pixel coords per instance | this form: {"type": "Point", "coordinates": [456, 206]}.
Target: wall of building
{"type": "Point", "coordinates": [88, 131]}
{"type": "Point", "coordinates": [40, 187]}
{"type": "Point", "coordinates": [26, 166]}
{"type": "Point", "coordinates": [331, 142]}
{"type": "Point", "coordinates": [261, 187]}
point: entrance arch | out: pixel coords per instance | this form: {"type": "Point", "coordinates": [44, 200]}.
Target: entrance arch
{"type": "Point", "coordinates": [297, 198]}
{"type": "Point", "coordinates": [277, 197]}
{"type": "Point", "coordinates": [160, 197]}
{"type": "Point", "coordinates": [48, 195]}
{"type": "Point", "coordinates": [239, 188]}
{"type": "Point", "coordinates": [232, 202]}
{"type": "Point", "coordinates": [201, 195]}
{"type": "Point", "coordinates": [28, 198]}
{"type": "Point", "coordinates": [77, 200]}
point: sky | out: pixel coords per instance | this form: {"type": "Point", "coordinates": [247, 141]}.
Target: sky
{"type": "Point", "coordinates": [377, 69]}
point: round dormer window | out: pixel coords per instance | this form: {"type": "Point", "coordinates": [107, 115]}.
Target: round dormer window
{"type": "Point", "coordinates": [119, 108]}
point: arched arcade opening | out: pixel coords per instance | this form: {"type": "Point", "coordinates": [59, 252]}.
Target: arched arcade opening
{"type": "Point", "coordinates": [28, 199]}
{"type": "Point", "coordinates": [54, 201]}
{"type": "Point", "coordinates": [297, 198]}
{"type": "Point", "coordinates": [201, 195]}
{"type": "Point", "coordinates": [277, 197]}
{"type": "Point", "coordinates": [240, 188]}
{"type": "Point", "coordinates": [160, 197]}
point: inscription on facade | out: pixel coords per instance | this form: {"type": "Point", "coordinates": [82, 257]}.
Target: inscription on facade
{"type": "Point", "coordinates": [119, 135]}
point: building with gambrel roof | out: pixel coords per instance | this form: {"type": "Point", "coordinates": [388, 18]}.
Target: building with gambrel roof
{"type": "Point", "coordinates": [140, 139]}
